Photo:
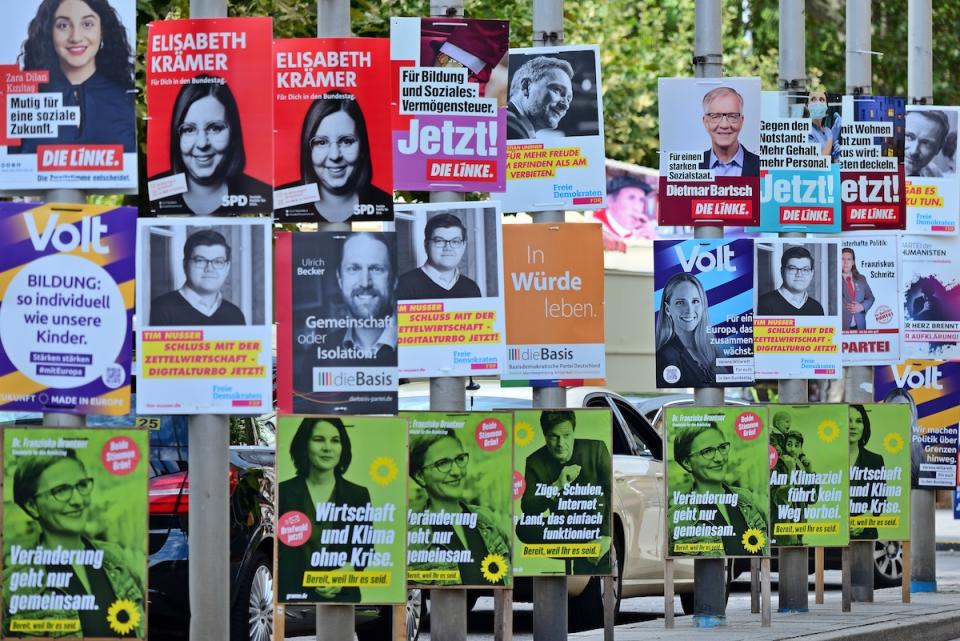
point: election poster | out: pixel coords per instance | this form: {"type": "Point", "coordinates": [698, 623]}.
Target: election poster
{"type": "Point", "coordinates": [562, 499]}
{"type": "Point", "coordinates": [879, 472]}
{"type": "Point", "coordinates": [341, 499]}
{"type": "Point", "coordinates": [555, 148]}
{"type": "Point", "coordinates": [460, 499]}
{"type": "Point", "coordinates": [450, 289]}
{"type": "Point", "coordinates": [809, 482]}
{"type": "Point", "coordinates": [709, 151]}
{"type": "Point", "coordinates": [332, 110]}
{"type": "Point", "coordinates": [930, 275]}
{"type": "Point", "coordinates": [717, 461]}
{"type": "Point", "coordinates": [210, 116]}
{"type": "Point", "coordinates": [337, 322]}
{"type": "Point", "coordinates": [66, 307]}
{"type": "Point", "coordinates": [931, 389]}
{"type": "Point", "coordinates": [930, 159]}
{"type": "Point", "coordinates": [800, 159]}
{"type": "Point", "coordinates": [75, 533]}
{"type": "Point", "coordinates": [703, 309]}
{"type": "Point", "coordinates": [870, 299]}
{"type": "Point", "coordinates": [205, 316]}
{"type": "Point", "coordinates": [68, 119]}
{"type": "Point", "coordinates": [554, 302]}
{"type": "Point", "coordinates": [796, 327]}
{"type": "Point", "coordinates": [872, 182]}
{"type": "Point", "coordinates": [450, 119]}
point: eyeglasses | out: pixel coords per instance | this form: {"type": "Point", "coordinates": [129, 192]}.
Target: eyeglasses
{"type": "Point", "coordinates": [63, 493]}
{"type": "Point", "coordinates": [803, 271]}
{"type": "Point", "coordinates": [440, 243]}
{"type": "Point", "coordinates": [732, 117]}
{"type": "Point", "coordinates": [322, 143]}
{"type": "Point", "coordinates": [202, 263]}
{"type": "Point", "coordinates": [711, 452]}
{"type": "Point", "coordinates": [215, 131]}
{"type": "Point", "coordinates": [444, 465]}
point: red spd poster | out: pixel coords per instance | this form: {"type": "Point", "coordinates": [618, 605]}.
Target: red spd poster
{"type": "Point", "coordinates": [332, 104]}
{"type": "Point", "coordinates": [210, 117]}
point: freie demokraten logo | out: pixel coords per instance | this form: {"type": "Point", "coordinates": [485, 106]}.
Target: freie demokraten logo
{"type": "Point", "coordinates": [539, 354]}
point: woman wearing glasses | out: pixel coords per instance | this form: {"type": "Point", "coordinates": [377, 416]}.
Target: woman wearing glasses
{"type": "Point", "coordinates": [445, 242]}
{"type": "Point", "coordinates": [57, 492]}
{"type": "Point", "coordinates": [797, 270]}
{"type": "Point", "coordinates": [440, 466]}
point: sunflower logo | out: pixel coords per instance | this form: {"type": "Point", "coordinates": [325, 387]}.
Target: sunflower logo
{"type": "Point", "coordinates": [383, 470]}
{"type": "Point", "coordinates": [753, 540]}
{"type": "Point", "coordinates": [493, 567]}
{"type": "Point", "coordinates": [123, 616]}
{"type": "Point", "coordinates": [828, 430]}
{"type": "Point", "coordinates": [522, 433]}
{"type": "Point", "coordinates": [893, 442]}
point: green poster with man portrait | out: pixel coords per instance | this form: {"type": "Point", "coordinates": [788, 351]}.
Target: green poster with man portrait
{"type": "Point", "coordinates": [460, 511]}
{"type": "Point", "coordinates": [809, 489]}
{"type": "Point", "coordinates": [74, 533]}
{"type": "Point", "coordinates": [880, 472]}
{"type": "Point", "coordinates": [562, 492]}
{"type": "Point", "coordinates": [341, 526]}
{"type": "Point", "coordinates": [718, 463]}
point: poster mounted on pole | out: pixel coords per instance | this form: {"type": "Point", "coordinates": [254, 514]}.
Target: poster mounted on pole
{"type": "Point", "coordinates": [205, 316]}
{"type": "Point", "coordinates": [709, 146]}
{"type": "Point", "coordinates": [930, 160]}
{"type": "Point", "coordinates": [703, 308]}
{"type": "Point", "coordinates": [450, 289]}
{"type": "Point", "coordinates": [66, 307]}
{"type": "Point", "coordinates": [870, 299]}
{"type": "Point", "coordinates": [555, 144]}
{"type": "Point", "coordinates": [450, 118]}
{"type": "Point", "coordinates": [332, 110]}
{"type": "Point", "coordinates": [930, 297]}
{"type": "Point", "coordinates": [210, 116]}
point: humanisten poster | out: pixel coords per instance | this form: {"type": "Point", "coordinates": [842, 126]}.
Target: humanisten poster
{"type": "Point", "coordinates": [450, 289]}
{"type": "Point", "coordinates": [450, 114]}
{"type": "Point", "coordinates": [555, 144]}
{"type": "Point", "coordinates": [332, 111]}
{"type": "Point", "coordinates": [210, 116]}
{"type": "Point", "coordinates": [66, 307]}
{"type": "Point", "coordinates": [68, 119]}
{"type": "Point", "coordinates": [870, 299]}
{"type": "Point", "coordinates": [930, 160]}
{"type": "Point", "coordinates": [930, 296]}
{"type": "Point", "coordinates": [205, 316]}
{"type": "Point", "coordinates": [703, 309]}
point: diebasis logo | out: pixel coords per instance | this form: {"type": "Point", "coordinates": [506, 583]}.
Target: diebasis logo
{"type": "Point", "coordinates": [539, 354]}
{"type": "Point", "coordinates": [348, 378]}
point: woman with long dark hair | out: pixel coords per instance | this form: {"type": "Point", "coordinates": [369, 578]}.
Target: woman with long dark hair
{"type": "Point", "coordinates": [862, 459]}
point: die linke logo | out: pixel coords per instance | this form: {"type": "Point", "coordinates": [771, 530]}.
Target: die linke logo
{"type": "Point", "coordinates": [67, 237]}
{"type": "Point", "coordinates": [371, 378]}
{"type": "Point", "coordinates": [911, 378]}
{"type": "Point", "coordinates": [539, 354]}
{"type": "Point", "coordinates": [707, 261]}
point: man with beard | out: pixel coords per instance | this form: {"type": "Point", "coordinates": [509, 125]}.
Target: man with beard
{"type": "Point", "coordinates": [445, 241]}
{"type": "Point", "coordinates": [540, 94]}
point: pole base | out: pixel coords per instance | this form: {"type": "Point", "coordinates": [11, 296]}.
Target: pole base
{"type": "Point", "coordinates": [923, 586]}
{"type": "Point", "coordinates": [792, 610]}
{"type": "Point", "coordinates": [709, 621]}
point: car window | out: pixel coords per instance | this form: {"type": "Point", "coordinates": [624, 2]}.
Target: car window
{"type": "Point", "coordinates": [647, 441]}
{"type": "Point", "coordinates": [622, 443]}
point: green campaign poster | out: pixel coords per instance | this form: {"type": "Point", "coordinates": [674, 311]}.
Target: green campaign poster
{"type": "Point", "coordinates": [341, 531]}
{"type": "Point", "coordinates": [461, 497]}
{"type": "Point", "coordinates": [718, 463]}
{"type": "Point", "coordinates": [809, 490]}
{"type": "Point", "coordinates": [74, 533]}
{"type": "Point", "coordinates": [562, 492]}
{"type": "Point", "coordinates": [880, 472]}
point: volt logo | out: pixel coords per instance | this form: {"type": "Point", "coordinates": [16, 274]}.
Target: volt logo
{"type": "Point", "coordinates": [911, 378]}
{"type": "Point", "coordinates": [67, 237]}
{"type": "Point", "coordinates": [706, 261]}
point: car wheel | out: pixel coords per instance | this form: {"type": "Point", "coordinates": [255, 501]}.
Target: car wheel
{"type": "Point", "coordinates": [252, 617]}
{"type": "Point", "coordinates": [382, 630]}
{"type": "Point", "coordinates": [887, 564]}
{"type": "Point", "coordinates": [415, 612]}
{"type": "Point", "coordinates": [586, 609]}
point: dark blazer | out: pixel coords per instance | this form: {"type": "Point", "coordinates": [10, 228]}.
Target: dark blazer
{"type": "Point", "coordinates": [370, 195]}
{"type": "Point", "coordinates": [751, 162]}
{"type": "Point", "coordinates": [692, 373]}
{"type": "Point", "coordinates": [259, 198]}
{"type": "Point", "coordinates": [862, 294]}
{"type": "Point", "coordinates": [870, 461]}
{"type": "Point", "coordinates": [519, 126]}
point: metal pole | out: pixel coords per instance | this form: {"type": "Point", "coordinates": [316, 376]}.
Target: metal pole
{"type": "Point", "coordinates": [333, 19]}
{"type": "Point", "coordinates": [920, 52]}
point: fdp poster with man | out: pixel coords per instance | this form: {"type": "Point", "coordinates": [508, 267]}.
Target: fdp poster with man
{"type": "Point", "coordinates": [450, 118]}
{"type": "Point", "coordinates": [204, 316]}
{"type": "Point", "coordinates": [800, 163]}
{"type": "Point", "coordinates": [555, 148]}
{"type": "Point", "coordinates": [709, 146]}
{"type": "Point", "coordinates": [68, 119]}
{"type": "Point", "coordinates": [870, 299]}
{"type": "Point", "coordinates": [554, 302]}
{"type": "Point", "coordinates": [450, 289]}
{"type": "Point", "coordinates": [930, 160]}
{"type": "Point", "coordinates": [562, 500]}
{"type": "Point", "coordinates": [66, 307]}
{"type": "Point", "coordinates": [337, 322]}
{"type": "Point", "coordinates": [461, 492]}
{"type": "Point", "coordinates": [703, 309]}
{"type": "Point", "coordinates": [872, 186]}
{"type": "Point", "coordinates": [809, 474]}
{"type": "Point", "coordinates": [930, 297]}
{"type": "Point", "coordinates": [210, 116]}
{"type": "Point", "coordinates": [717, 462]}
{"type": "Point", "coordinates": [797, 314]}
{"type": "Point", "coordinates": [332, 110]}
{"type": "Point", "coordinates": [341, 499]}
{"type": "Point", "coordinates": [75, 533]}
{"type": "Point", "coordinates": [880, 472]}
{"type": "Point", "coordinates": [931, 389]}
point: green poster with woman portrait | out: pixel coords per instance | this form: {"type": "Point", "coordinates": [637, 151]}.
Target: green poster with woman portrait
{"type": "Point", "coordinates": [341, 527]}
{"type": "Point", "coordinates": [880, 472]}
{"type": "Point", "coordinates": [562, 492]}
{"type": "Point", "coordinates": [460, 487]}
{"type": "Point", "coordinates": [718, 463]}
{"type": "Point", "coordinates": [74, 533]}
{"type": "Point", "coordinates": [809, 474]}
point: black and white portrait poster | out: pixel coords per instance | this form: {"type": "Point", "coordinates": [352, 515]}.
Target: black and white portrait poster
{"type": "Point", "coordinates": [930, 161]}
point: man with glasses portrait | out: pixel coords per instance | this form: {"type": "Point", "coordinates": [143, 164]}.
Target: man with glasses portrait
{"type": "Point", "coordinates": [445, 242]}
{"type": "Point", "coordinates": [791, 298]}
{"type": "Point", "coordinates": [723, 118]}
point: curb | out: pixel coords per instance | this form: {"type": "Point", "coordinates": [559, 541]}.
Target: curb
{"type": "Point", "coordinates": [942, 626]}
